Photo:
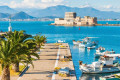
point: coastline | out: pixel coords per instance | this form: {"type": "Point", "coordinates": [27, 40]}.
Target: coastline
{"type": "Point", "coordinates": [87, 25]}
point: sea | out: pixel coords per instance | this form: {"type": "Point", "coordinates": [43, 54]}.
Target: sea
{"type": "Point", "coordinates": [108, 37]}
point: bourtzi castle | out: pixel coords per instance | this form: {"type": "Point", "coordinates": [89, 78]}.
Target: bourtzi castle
{"type": "Point", "coordinates": [73, 20]}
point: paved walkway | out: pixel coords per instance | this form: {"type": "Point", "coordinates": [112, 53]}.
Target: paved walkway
{"type": "Point", "coordinates": [44, 68]}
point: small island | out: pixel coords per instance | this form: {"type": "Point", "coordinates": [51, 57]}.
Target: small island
{"type": "Point", "coordinates": [71, 19]}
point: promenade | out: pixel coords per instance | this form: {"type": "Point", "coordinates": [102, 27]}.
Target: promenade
{"type": "Point", "coordinates": [49, 59]}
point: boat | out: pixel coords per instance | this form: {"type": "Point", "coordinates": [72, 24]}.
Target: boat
{"type": "Point", "coordinates": [106, 64]}
{"type": "Point", "coordinates": [91, 47]}
{"type": "Point", "coordinates": [100, 49]}
{"type": "Point", "coordinates": [86, 42]}
{"type": "Point", "coordinates": [60, 41]}
{"type": "Point", "coordinates": [111, 77]}
{"type": "Point", "coordinates": [98, 54]}
{"type": "Point", "coordinates": [76, 42]}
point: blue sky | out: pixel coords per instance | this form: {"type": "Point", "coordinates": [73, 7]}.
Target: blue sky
{"type": "Point", "coordinates": [107, 5]}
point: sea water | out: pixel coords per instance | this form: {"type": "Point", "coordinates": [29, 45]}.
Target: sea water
{"type": "Point", "coordinates": [108, 37]}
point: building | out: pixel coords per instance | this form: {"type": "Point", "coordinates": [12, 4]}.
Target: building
{"type": "Point", "coordinates": [71, 18]}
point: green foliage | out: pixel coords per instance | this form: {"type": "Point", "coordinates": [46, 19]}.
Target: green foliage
{"type": "Point", "coordinates": [17, 47]}
{"type": "Point", "coordinates": [39, 40]}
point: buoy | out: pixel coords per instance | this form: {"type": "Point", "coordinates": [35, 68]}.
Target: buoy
{"type": "Point", "coordinates": [79, 28]}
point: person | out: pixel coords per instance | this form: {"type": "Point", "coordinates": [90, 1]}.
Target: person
{"type": "Point", "coordinates": [101, 66]}
{"type": "Point", "coordinates": [80, 62]}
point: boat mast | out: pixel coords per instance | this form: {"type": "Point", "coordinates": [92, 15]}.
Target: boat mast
{"type": "Point", "coordinates": [9, 28]}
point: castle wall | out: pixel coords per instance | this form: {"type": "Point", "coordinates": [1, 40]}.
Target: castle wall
{"type": "Point", "coordinates": [71, 19]}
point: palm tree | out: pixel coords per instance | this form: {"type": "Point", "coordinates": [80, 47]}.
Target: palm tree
{"type": "Point", "coordinates": [14, 49]}
{"type": "Point", "coordinates": [26, 45]}
{"type": "Point", "coordinates": [6, 53]}
{"type": "Point", "coordinates": [39, 40]}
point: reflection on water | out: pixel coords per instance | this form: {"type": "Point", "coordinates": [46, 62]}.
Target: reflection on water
{"type": "Point", "coordinates": [81, 50]}
{"type": "Point", "coordinates": [94, 76]}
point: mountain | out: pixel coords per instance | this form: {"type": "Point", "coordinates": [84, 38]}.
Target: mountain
{"type": "Point", "coordinates": [4, 15]}
{"type": "Point", "coordinates": [60, 10]}
{"type": "Point", "coordinates": [21, 15]}
{"type": "Point", "coordinates": [57, 11]}
{"type": "Point", "coordinates": [6, 9]}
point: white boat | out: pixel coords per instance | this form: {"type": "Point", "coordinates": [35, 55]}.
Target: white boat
{"type": "Point", "coordinates": [76, 42]}
{"type": "Point", "coordinates": [60, 41]}
{"type": "Point", "coordinates": [91, 47]}
{"type": "Point", "coordinates": [98, 54]}
{"type": "Point", "coordinates": [104, 65]}
{"type": "Point", "coordinates": [86, 43]}
{"type": "Point", "coordinates": [100, 49]}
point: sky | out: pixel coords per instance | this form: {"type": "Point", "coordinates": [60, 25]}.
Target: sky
{"type": "Point", "coordinates": [104, 5]}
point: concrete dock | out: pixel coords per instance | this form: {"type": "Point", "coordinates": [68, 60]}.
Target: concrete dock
{"type": "Point", "coordinates": [49, 59]}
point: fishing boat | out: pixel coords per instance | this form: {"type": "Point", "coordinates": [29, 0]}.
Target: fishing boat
{"type": "Point", "coordinates": [111, 77]}
{"type": "Point", "coordinates": [87, 43]}
{"type": "Point", "coordinates": [98, 54]}
{"type": "Point", "coordinates": [100, 49]}
{"type": "Point", "coordinates": [106, 64]}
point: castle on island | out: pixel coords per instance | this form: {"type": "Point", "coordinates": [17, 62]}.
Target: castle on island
{"type": "Point", "coordinates": [72, 19]}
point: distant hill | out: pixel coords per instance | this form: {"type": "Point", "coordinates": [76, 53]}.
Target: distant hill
{"type": "Point", "coordinates": [21, 15]}
{"type": "Point", "coordinates": [57, 11]}
{"type": "Point", "coordinates": [4, 15]}
{"type": "Point", "coordinates": [6, 9]}
{"type": "Point", "coordinates": [87, 11]}
{"type": "Point", "coordinates": [51, 17]}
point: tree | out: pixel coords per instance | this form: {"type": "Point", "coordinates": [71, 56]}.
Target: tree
{"type": "Point", "coordinates": [6, 53]}
{"type": "Point", "coordinates": [39, 40]}
{"type": "Point", "coordinates": [26, 45]}
{"type": "Point", "coordinates": [15, 49]}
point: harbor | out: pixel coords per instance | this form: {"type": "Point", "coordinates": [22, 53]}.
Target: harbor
{"type": "Point", "coordinates": [79, 53]}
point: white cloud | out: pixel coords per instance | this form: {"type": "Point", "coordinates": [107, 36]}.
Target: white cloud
{"type": "Point", "coordinates": [58, 0]}
{"type": "Point", "coordinates": [34, 3]}
{"type": "Point", "coordinates": [46, 1]}
{"type": "Point", "coordinates": [82, 6]}
{"type": "Point", "coordinates": [108, 6]}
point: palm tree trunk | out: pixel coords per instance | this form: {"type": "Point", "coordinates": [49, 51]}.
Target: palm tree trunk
{"type": "Point", "coordinates": [6, 73]}
{"type": "Point", "coordinates": [16, 67]}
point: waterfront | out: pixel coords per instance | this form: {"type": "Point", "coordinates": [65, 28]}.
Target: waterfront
{"type": "Point", "coordinates": [108, 37]}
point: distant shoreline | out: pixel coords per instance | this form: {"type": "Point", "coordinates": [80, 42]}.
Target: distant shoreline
{"type": "Point", "coordinates": [89, 25]}
{"type": "Point", "coordinates": [42, 19]}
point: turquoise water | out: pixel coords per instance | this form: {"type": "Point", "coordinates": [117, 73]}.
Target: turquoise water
{"type": "Point", "coordinates": [108, 37]}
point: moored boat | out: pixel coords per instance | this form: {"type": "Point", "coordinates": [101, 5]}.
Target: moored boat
{"type": "Point", "coordinates": [100, 49]}
{"type": "Point", "coordinates": [60, 41]}
{"type": "Point", "coordinates": [98, 54]}
{"type": "Point", "coordinates": [86, 42]}
{"type": "Point", "coordinates": [91, 47]}
{"type": "Point", "coordinates": [106, 64]}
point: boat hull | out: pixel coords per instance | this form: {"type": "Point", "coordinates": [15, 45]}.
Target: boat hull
{"type": "Point", "coordinates": [109, 78]}
{"type": "Point", "coordinates": [98, 71]}
{"type": "Point", "coordinates": [75, 43]}
{"type": "Point", "coordinates": [85, 45]}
